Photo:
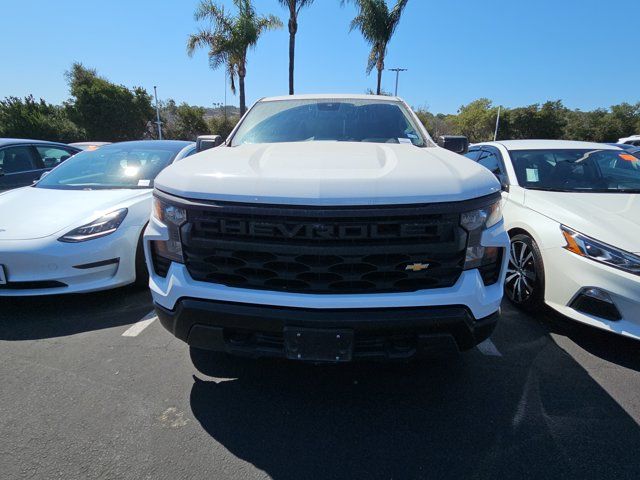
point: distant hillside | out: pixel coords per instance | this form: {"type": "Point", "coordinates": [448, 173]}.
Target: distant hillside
{"type": "Point", "coordinates": [218, 112]}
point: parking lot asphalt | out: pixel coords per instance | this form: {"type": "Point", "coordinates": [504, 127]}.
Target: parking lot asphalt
{"type": "Point", "coordinates": [88, 392]}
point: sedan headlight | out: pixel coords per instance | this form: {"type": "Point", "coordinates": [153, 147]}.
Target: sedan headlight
{"type": "Point", "coordinates": [103, 226]}
{"type": "Point", "coordinates": [173, 217]}
{"type": "Point", "coordinates": [600, 252]}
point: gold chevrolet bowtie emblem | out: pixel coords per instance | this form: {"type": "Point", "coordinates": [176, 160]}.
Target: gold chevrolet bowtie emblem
{"type": "Point", "coordinates": [417, 267]}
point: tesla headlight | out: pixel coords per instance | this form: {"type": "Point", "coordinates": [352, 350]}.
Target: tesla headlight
{"type": "Point", "coordinates": [600, 252]}
{"type": "Point", "coordinates": [173, 217]}
{"type": "Point", "coordinates": [483, 218]}
{"type": "Point", "coordinates": [105, 225]}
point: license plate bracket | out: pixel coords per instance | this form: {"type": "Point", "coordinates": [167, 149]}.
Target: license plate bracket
{"type": "Point", "coordinates": [318, 345]}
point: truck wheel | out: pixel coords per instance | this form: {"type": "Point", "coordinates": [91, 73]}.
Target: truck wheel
{"type": "Point", "coordinates": [524, 284]}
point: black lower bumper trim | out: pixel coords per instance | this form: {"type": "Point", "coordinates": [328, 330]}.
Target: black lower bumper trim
{"type": "Point", "coordinates": [258, 331]}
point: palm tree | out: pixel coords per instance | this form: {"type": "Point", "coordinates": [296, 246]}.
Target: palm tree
{"type": "Point", "coordinates": [294, 7]}
{"type": "Point", "coordinates": [377, 25]}
{"type": "Point", "coordinates": [230, 37]}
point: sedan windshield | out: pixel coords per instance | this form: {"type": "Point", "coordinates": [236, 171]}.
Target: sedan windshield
{"type": "Point", "coordinates": [349, 120]}
{"type": "Point", "coordinates": [110, 167]}
{"type": "Point", "coordinates": [577, 170]}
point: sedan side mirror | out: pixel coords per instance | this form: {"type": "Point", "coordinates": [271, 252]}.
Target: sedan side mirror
{"type": "Point", "coordinates": [205, 142]}
{"type": "Point", "coordinates": [457, 144]}
{"type": "Point", "coordinates": [504, 182]}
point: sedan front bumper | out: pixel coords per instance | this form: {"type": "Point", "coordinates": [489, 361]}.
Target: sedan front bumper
{"type": "Point", "coordinates": [47, 266]}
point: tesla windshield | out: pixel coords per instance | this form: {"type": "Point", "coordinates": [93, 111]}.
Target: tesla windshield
{"type": "Point", "coordinates": [110, 167]}
{"type": "Point", "coordinates": [345, 120]}
{"type": "Point", "coordinates": [577, 170]}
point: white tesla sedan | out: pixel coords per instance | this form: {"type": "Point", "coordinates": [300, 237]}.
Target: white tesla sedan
{"type": "Point", "coordinates": [572, 210]}
{"type": "Point", "coordinates": [79, 228]}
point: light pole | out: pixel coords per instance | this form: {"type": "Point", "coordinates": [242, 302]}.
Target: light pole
{"type": "Point", "coordinates": [155, 92]}
{"type": "Point", "coordinates": [397, 70]}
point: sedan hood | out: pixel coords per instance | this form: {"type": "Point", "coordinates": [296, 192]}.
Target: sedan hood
{"type": "Point", "coordinates": [612, 218]}
{"type": "Point", "coordinates": [28, 213]}
{"type": "Point", "coordinates": [328, 173]}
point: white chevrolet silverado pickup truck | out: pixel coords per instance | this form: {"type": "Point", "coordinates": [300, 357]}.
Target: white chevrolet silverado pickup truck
{"type": "Point", "coordinates": [328, 229]}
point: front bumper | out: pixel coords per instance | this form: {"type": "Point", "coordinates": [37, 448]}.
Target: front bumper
{"type": "Point", "coordinates": [390, 333]}
{"type": "Point", "coordinates": [567, 274]}
{"type": "Point", "coordinates": [46, 266]}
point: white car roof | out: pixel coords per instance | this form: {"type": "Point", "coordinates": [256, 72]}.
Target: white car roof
{"type": "Point", "coordinates": [550, 145]}
{"type": "Point", "coordinates": [332, 96]}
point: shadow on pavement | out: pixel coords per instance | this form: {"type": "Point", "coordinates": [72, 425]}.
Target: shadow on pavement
{"type": "Point", "coordinates": [533, 413]}
{"type": "Point", "coordinates": [608, 346]}
{"type": "Point", "coordinates": [31, 318]}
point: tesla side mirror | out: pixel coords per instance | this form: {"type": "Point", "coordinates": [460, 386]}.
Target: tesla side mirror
{"type": "Point", "coordinates": [205, 142]}
{"type": "Point", "coordinates": [455, 143]}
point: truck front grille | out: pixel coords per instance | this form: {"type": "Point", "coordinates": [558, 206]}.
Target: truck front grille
{"type": "Point", "coordinates": [324, 250]}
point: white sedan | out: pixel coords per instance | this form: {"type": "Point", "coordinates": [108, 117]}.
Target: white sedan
{"type": "Point", "coordinates": [79, 228]}
{"type": "Point", "coordinates": [572, 210]}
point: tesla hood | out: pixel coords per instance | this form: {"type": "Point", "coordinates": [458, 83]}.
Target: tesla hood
{"type": "Point", "coordinates": [29, 212]}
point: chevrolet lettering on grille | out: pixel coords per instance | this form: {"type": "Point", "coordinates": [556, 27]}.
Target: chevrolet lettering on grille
{"type": "Point", "coordinates": [321, 230]}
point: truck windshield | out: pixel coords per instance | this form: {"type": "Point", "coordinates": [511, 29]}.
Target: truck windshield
{"type": "Point", "coordinates": [609, 171]}
{"type": "Point", "coordinates": [344, 120]}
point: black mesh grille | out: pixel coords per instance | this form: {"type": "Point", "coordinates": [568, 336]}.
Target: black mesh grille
{"type": "Point", "coordinates": [327, 250]}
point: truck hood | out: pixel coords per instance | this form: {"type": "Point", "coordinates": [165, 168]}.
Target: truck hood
{"type": "Point", "coordinates": [612, 218]}
{"type": "Point", "coordinates": [328, 173]}
{"type": "Point", "coordinates": [29, 213]}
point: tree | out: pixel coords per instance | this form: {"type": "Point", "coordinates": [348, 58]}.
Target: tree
{"type": "Point", "coordinates": [534, 121]}
{"type": "Point", "coordinates": [294, 7]}
{"type": "Point", "coordinates": [104, 110]}
{"type": "Point", "coordinates": [189, 122]}
{"type": "Point", "coordinates": [377, 25]}
{"type": "Point", "coordinates": [28, 118]}
{"type": "Point", "coordinates": [223, 125]}
{"type": "Point", "coordinates": [477, 120]}
{"type": "Point", "coordinates": [229, 37]}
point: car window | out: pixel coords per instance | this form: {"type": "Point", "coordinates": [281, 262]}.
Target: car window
{"type": "Point", "coordinates": [490, 160]}
{"type": "Point", "coordinates": [52, 156]}
{"type": "Point", "coordinates": [112, 166]}
{"type": "Point", "coordinates": [473, 154]}
{"type": "Point", "coordinates": [190, 152]}
{"type": "Point", "coordinates": [577, 170]}
{"type": "Point", "coordinates": [17, 159]}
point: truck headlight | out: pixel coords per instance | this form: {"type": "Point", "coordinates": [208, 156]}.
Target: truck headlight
{"type": "Point", "coordinates": [482, 218]}
{"type": "Point", "coordinates": [487, 259]}
{"type": "Point", "coordinates": [100, 227]}
{"type": "Point", "coordinates": [600, 252]}
{"type": "Point", "coordinates": [173, 217]}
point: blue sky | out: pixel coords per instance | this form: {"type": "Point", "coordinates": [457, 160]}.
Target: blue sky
{"type": "Point", "coordinates": [514, 52]}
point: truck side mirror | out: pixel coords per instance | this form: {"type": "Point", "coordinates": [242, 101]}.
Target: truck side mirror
{"type": "Point", "coordinates": [457, 144]}
{"type": "Point", "coordinates": [205, 142]}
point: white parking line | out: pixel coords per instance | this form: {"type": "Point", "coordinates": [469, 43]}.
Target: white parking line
{"type": "Point", "coordinates": [488, 348]}
{"type": "Point", "coordinates": [135, 329]}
